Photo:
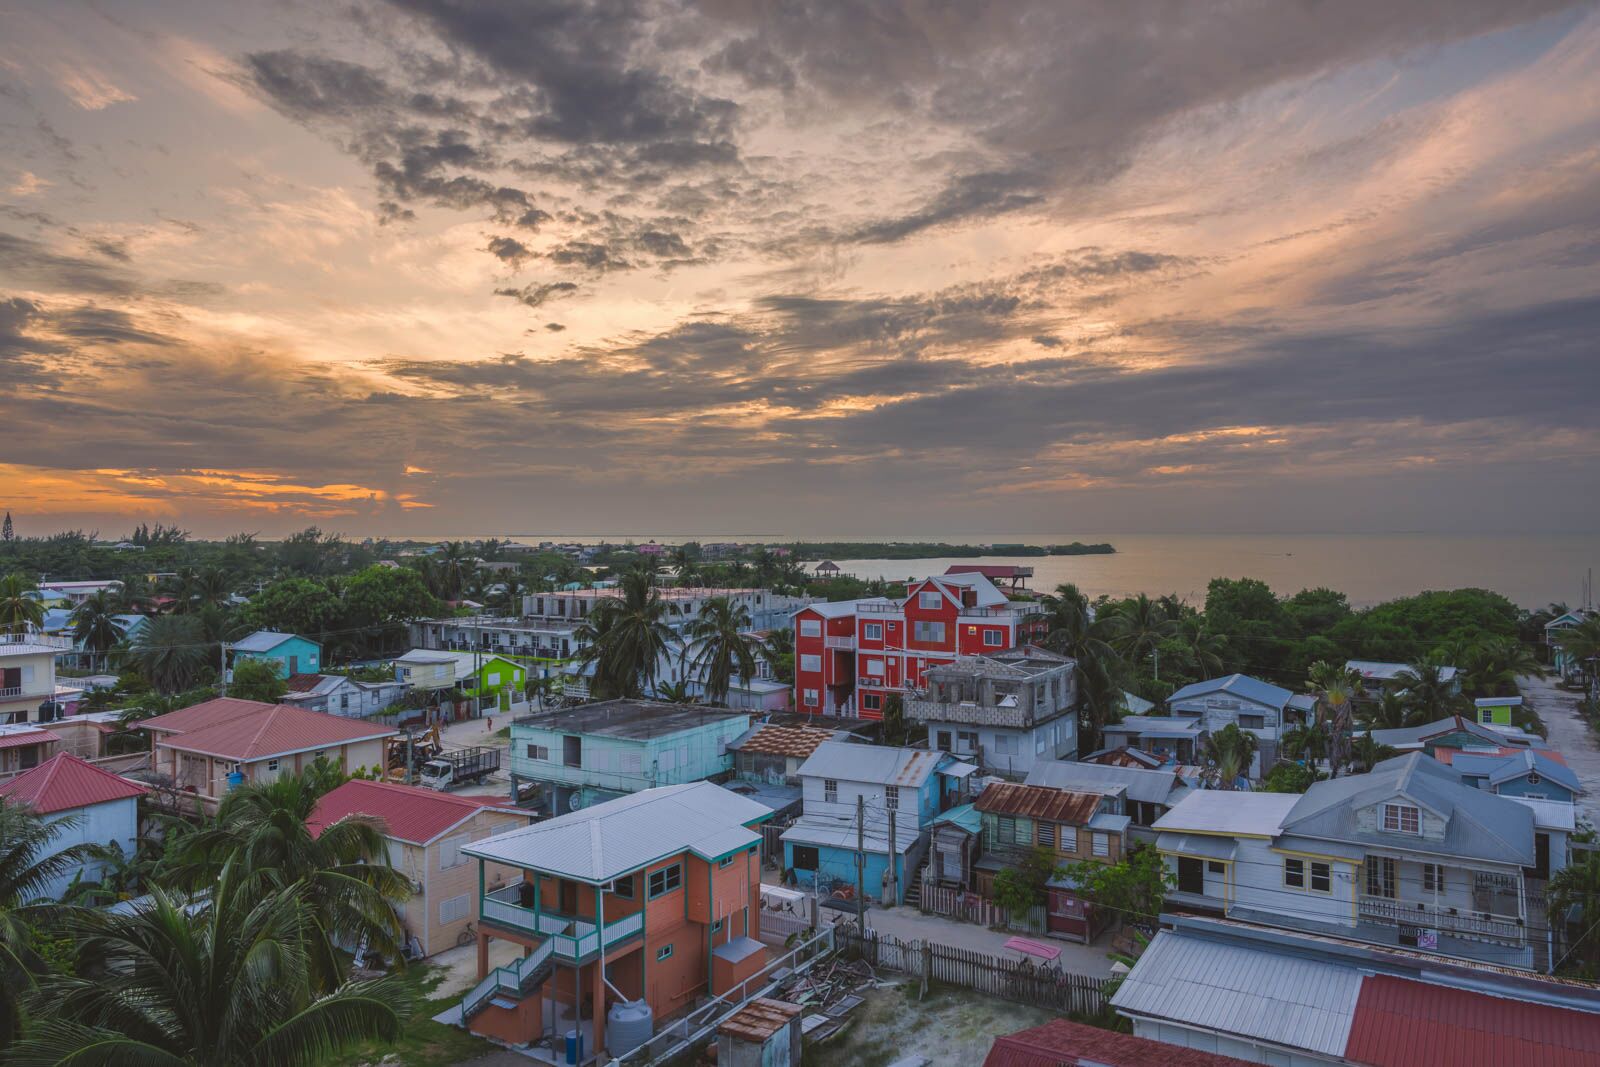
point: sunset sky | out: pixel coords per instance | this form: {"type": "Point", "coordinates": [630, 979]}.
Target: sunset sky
{"type": "Point", "coordinates": [451, 266]}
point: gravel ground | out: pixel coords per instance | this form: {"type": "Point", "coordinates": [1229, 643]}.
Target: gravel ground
{"type": "Point", "coordinates": [950, 1027]}
{"type": "Point", "coordinates": [1569, 735]}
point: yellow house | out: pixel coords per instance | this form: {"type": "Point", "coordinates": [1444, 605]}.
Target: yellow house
{"type": "Point", "coordinates": [426, 831]}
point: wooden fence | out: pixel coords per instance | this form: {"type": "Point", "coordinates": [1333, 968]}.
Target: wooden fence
{"type": "Point", "coordinates": [1039, 985]}
{"type": "Point", "coordinates": [971, 908]}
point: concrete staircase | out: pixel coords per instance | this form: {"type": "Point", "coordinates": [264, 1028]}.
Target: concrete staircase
{"type": "Point", "coordinates": [505, 986]}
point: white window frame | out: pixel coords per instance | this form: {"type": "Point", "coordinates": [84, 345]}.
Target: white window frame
{"type": "Point", "coordinates": [930, 600]}
{"type": "Point", "coordinates": [1102, 845]}
{"type": "Point", "coordinates": [461, 905]}
{"type": "Point", "coordinates": [994, 638]}
{"type": "Point", "coordinates": [1401, 812]}
{"type": "Point", "coordinates": [450, 850]}
{"type": "Point", "coordinates": [830, 791]}
{"type": "Point", "coordinates": [811, 697]}
{"type": "Point", "coordinates": [924, 631]}
{"type": "Point", "coordinates": [1432, 878]}
{"type": "Point", "coordinates": [872, 631]}
{"type": "Point", "coordinates": [810, 627]}
{"type": "Point", "coordinates": [891, 797]}
{"type": "Point", "coordinates": [810, 662]}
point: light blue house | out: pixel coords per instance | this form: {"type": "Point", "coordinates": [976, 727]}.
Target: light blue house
{"type": "Point", "coordinates": [594, 752]}
{"type": "Point", "coordinates": [292, 653]}
{"type": "Point", "coordinates": [99, 808]}
{"type": "Point", "coordinates": [901, 792]}
{"type": "Point", "coordinates": [1528, 773]}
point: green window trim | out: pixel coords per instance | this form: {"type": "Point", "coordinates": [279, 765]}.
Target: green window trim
{"type": "Point", "coordinates": [663, 953]}
{"type": "Point", "coordinates": [666, 880]}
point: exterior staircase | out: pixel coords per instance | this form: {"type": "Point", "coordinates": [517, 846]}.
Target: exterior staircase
{"type": "Point", "coordinates": [507, 985]}
{"type": "Point", "coordinates": [914, 890]}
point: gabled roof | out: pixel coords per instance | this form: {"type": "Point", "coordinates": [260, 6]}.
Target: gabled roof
{"type": "Point", "coordinates": [1039, 802]}
{"type": "Point", "coordinates": [1479, 825]}
{"type": "Point", "coordinates": [65, 783]}
{"type": "Point", "coordinates": [1501, 769]}
{"type": "Point", "coordinates": [877, 764]}
{"type": "Point", "coordinates": [986, 595]}
{"type": "Point", "coordinates": [249, 730]}
{"type": "Point", "coordinates": [22, 735]}
{"type": "Point", "coordinates": [769, 740]}
{"type": "Point", "coordinates": [1062, 1043]}
{"type": "Point", "coordinates": [618, 837]}
{"type": "Point", "coordinates": [409, 813]}
{"type": "Point", "coordinates": [1414, 736]}
{"type": "Point", "coordinates": [1239, 685]}
{"type": "Point", "coordinates": [314, 684]}
{"type": "Point", "coordinates": [265, 641]}
{"type": "Point", "coordinates": [1151, 787]}
{"type": "Point", "coordinates": [1379, 671]}
{"type": "Point", "coordinates": [1227, 811]}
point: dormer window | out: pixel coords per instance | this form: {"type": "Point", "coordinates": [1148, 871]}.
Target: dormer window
{"type": "Point", "coordinates": [1402, 819]}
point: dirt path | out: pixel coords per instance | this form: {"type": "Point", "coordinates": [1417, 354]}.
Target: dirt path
{"type": "Point", "coordinates": [1570, 736]}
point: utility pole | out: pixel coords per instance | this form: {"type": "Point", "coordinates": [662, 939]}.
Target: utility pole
{"type": "Point", "coordinates": [861, 861]}
{"type": "Point", "coordinates": [222, 656]}
{"type": "Point", "coordinates": [894, 873]}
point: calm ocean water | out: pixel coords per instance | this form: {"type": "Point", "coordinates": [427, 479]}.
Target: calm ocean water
{"type": "Point", "coordinates": [1531, 569]}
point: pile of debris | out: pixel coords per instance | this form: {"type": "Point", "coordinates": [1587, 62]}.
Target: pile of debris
{"type": "Point", "coordinates": [829, 992]}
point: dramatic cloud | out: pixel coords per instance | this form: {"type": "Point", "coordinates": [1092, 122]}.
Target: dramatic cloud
{"type": "Point", "coordinates": [683, 265]}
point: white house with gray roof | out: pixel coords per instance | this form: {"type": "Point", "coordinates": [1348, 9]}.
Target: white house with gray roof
{"type": "Point", "coordinates": [1142, 795]}
{"type": "Point", "coordinates": [1407, 855]}
{"type": "Point", "coordinates": [1257, 707]}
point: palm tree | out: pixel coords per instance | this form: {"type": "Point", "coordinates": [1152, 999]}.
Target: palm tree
{"type": "Point", "coordinates": [722, 651]}
{"type": "Point", "coordinates": [135, 594]}
{"type": "Point", "coordinates": [455, 567]}
{"type": "Point", "coordinates": [627, 637]}
{"type": "Point", "coordinates": [1336, 688]}
{"type": "Point", "coordinates": [777, 648]}
{"type": "Point", "coordinates": [676, 693]}
{"type": "Point", "coordinates": [1367, 753]}
{"type": "Point", "coordinates": [1228, 753]}
{"type": "Point", "coordinates": [1427, 694]}
{"type": "Point", "coordinates": [28, 865]}
{"type": "Point", "coordinates": [18, 610]}
{"type": "Point", "coordinates": [212, 587]}
{"type": "Point", "coordinates": [1573, 901]}
{"type": "Point", "coordinates": [348, 883]}
{"type": "Point", "coordinates": [1138, 627]}
{"type": "Point", "coordinates": [171, 652]}
{"type": "Point", "coordinates": [94, 624]}
{"type": "Point", "coordinates": [1305, 742]}
{"type": "Point", "coordinates": [1389, 713]}
{"type": "Point", "coordinates": [1491, 666]}
{"type": "Point", "coordinates": [184, 587]}
{"type": "Point", "coordinates": [1070, 631]}
{"type": "Point", "coordinates": [230, 984]}
{"type": "Point", "coordinates": [1205, 647]}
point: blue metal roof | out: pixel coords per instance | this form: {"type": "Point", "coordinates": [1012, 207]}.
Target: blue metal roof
{"type": "Point", "coordinates": [1499, 769]}
{"type": "Point", "coordinates": [1240, 685]}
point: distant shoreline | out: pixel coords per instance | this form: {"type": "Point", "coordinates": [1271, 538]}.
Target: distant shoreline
{"type": "Point", "coordinates": [822, 550]}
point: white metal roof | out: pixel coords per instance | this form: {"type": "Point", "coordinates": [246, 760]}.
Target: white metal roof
{"type": "Point", "coordinates": [847, 762]}
{"type": "Point", "coordinates": [1224, 811]}
{"type": "Point", "coordinates": [620, 836]}
{"type": "Point", "coordinates": [1233, 989]}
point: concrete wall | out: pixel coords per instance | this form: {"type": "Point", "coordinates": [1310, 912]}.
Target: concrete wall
{"type": "Point", "coordinates": [115, 822]}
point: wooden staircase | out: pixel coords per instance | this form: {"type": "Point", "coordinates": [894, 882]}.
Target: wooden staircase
{"type": "Point", "coordinates": [914, 890]}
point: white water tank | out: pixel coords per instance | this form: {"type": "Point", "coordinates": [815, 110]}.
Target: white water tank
{"type": "Point", "coordinates": [629, 1024]}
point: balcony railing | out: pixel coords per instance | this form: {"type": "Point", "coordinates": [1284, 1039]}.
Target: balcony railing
{"type": "Point", "coordinates": [575, 939]}
{"type": "Point", "coordinates": [1418, 913]}
{"type": "Point", "coordinates": [51, 641]}
{"type": "Point", "coordinates": [839, 642]}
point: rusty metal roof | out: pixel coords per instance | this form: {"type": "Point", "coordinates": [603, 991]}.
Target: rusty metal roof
{"type": "Point", "coordinates": [1038, 802]}
{"type": "Point", "coordinates": [760, 1019]}
{"type": "Point", "coordinates": [797, 741]}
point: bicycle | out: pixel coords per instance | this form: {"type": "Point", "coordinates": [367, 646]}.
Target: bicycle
{"type": "Point", "coordinates": [467, 935]}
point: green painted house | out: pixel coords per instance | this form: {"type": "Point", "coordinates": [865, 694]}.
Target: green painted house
{"type": "Point", "coordinates": [1496, 711]}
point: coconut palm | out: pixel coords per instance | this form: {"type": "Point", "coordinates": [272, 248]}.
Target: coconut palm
{"type": "Point", "coordinates": [171, 652]}
{"type": "Point", "coordinates": [1305, 742]}
{"type": "Point", "coordinates": [1426, 693]}
{"type": "Point", "coordinates": [1367, 753]}
{"type": "Point", "coordinates": [95, 626]}
{"type": "Point", "coordinates": [720, 649]}
{"type": "Point", "coordinates": [349, 885]}
{"type": "Point", "coordinates": [229, 984]}
{"type": "Point", "coordinates": [1389, 712]}
{"type": "Point", "coordinates": [1203, 646]}
{"type": "Point", "coordinates": [1228, 753]}
{"type": "Point", "coordinates": [677, 692]}
{"type": "Point", "coordinates": [1138, 627]}
{"type": "Point", "coordinates": [627, 637]}
{"type": "Point", "coordinates": [777, 649]}
{"type": "Point", "coordinates": [29, 863]}
{"type": "Point", "coordinates": [1069, 630]}
{"type": "Point", "coordinates": [212, 587]}
{"type": "Point", "coordinates": [455, 567]}
{"type": "Point", "coordinates": [1336, 688]}
{"type": "Point", "coordinates": [18, 610]}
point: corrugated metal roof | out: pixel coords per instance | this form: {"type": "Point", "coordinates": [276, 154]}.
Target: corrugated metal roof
{"type": "Point", "coordinates": [264, 641]}
{"type": "Point", "coordinates": [408, 812]}
{"type": "Point", "coordinates": [1227, 811]}
{"type": "Point", "coordinates": [1240, 685]}
{"type": "Point", "coordinates": [249, 730]}
{"type": "Point", "coordinates": [1401, 1023]}
{"type": "Point", "coordinates": [1152, 787]}
{"type": "Point", "coordinates": [798, 741]}
{"type": "Point", "coordinates": [1499, 769]}
{"type": "Point", "coordinates": [1039, 802]}
{"type": "Point", "coordinates": [1060, 1042]}
{"type": "Point", "coordinates": [760, 1019]}
{"type": "Point", "coordinates": [847, 762]}
{"type": "Point", "coordinates": [22, 736]}
{"type": "Point", "coordinates": [64, 783]}
{"type": "Point", "coordinates": [1287, 1000]}
{"type": "Point", "coordinates": [620, 836]}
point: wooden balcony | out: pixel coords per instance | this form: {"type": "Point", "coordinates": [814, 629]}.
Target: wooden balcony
{"type": "Point", "coordinates": [575, 940]}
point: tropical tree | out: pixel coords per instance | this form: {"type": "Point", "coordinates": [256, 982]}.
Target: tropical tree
{"type": "Point", "coordinates": [18, 610]}
{"type": "Point", "coordinates": [1070, 630]}
{"type": "Point", "coordinates": [211, 587]}
{"type": "Point", "coordinates": [29, 864]}
{"type": "Point", "coordinates": [777, 648]}
{"type": "Point", "coordinates": [257, 679]}
{"type": "Point", "coordinates": [137, 594]}
{"type": "Point", "coordinates": [627, 637]}
{"type": "Point", "coordinates": [1389, 712]}
{"type": "Point", "coordinates": [1582, 644]}
{"type": "Point", "coordinates": [1367, 753]}
{"type": "Point", "coordinates": [171, 652]}
{"type": "Point", "coordinates": [1573, 904]}
{"type": "Point", "coordinates": [1306, 742]}
{"type": "Point", "coordinates": [455, 567]}
{"type": "Point", "coordinates": [1490, 666]}
{"type": "Point", "coordinates": [94, 624]}
{"type": "Point", "coordinates": [231, 984]}
{"type": "Point", "coordinates": [676, 692]}
{"type": "Point", "coordinates": [1427, 694]}
{"type": "Point", "coordinates": [721, 648]}
{"type": "Point", "coordinates": [1336, 688]}
{"type": "Point", "coordinates": [1138, 627]}
{"type": "Point", "coordinates": [685, 563]}
{"type": "Point", "coordinates": [344, 871]}
{"type": "Point", "coordinates": [1228, 753]}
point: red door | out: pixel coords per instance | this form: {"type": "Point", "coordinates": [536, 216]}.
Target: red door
{"type": "Point", "coordinates": [1067, 917]}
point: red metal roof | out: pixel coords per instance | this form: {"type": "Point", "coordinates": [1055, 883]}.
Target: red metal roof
{"type": "Point", "coordinates": [408, 812]}
{"type": "Point", "coordinates": [65, 782]}
{"type": "Point", "coordinates": [1401, 1023]}
{"type": "Point", "coordinates": [1059, 1043]}
{"type": "Point", "coordinates": [1039, 802]}
{"type": "Point", "coordinates": [249, 730]}
{"type": "Point", "coordinates": [22, 738]}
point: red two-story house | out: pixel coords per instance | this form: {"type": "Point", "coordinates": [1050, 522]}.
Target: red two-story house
{"type": "Point", "coordinates": [654, 896]}
{"type": "Point", "coordinates": [851, 655]}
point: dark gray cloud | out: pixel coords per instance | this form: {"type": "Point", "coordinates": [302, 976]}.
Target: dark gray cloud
{"type": "Point", "coordinates": [510, 250]}
{"type": "Point", "coordinates": [535, 295]}
{"type": "Point", "coordinates": [29, 263]}
{"type": "Point", "coordinates": [967, 197]}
